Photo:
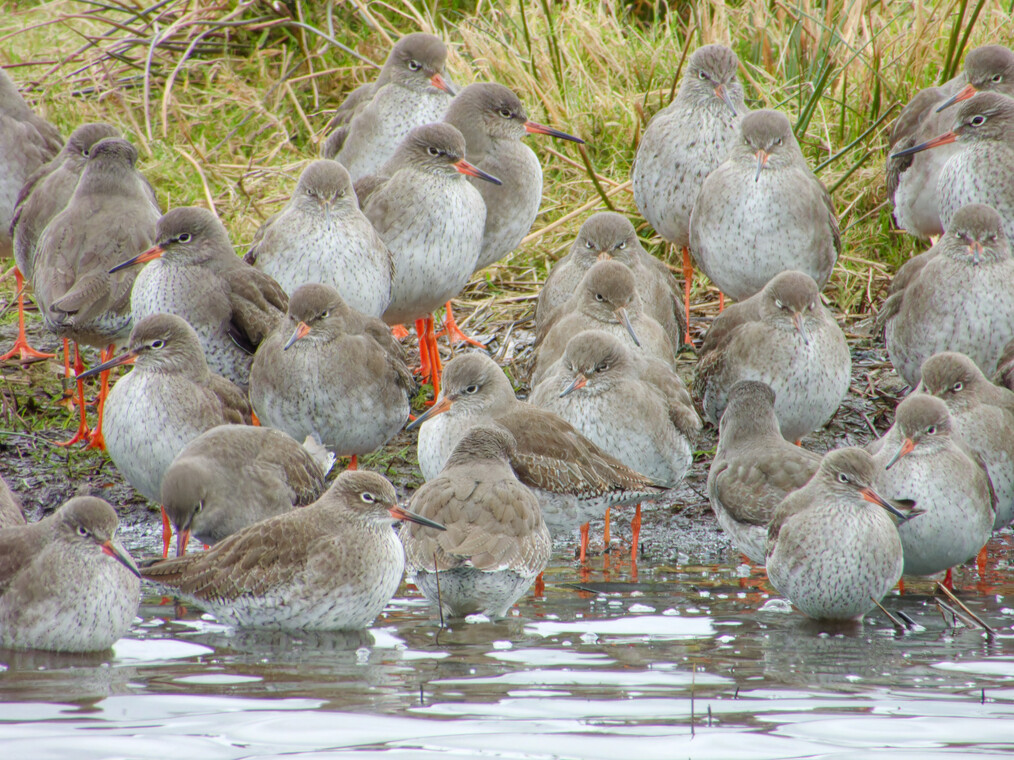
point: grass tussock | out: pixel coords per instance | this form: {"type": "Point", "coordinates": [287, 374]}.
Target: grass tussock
{"type": "Point", "coordinates": [227, 100]}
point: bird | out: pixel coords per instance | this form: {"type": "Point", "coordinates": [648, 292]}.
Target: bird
{"type": "Point", "coordinates": [11, 513]}
{"type": "Point", "coordinates": [983, 416]}
{"type": "Point", "coordinates": [912, 180]}
{"type": "Point", "coordinates": [412, 89]}
{"type": "Point", "coordinates": [193, 272]}
{"type": "Point", "coordinates": [754, 468]}
{"type": "Point", "coordinates": [43, 195]}
{"type": "Point", "coordinates": [763, 212]}
{"type": "Point", "coordinates": [328, 372]}
{"type": "Point", "coordinates": [232, 476]}
{"type": "Point", "coordinates": [111, 214]}
{"type": "Point", "coordinates": [606, 299]}
{"type": "Point", "coordinates": [323, 236]}
{"type": "Point", "coordinates": [958, 296]}
{"type": "Point", "coordinates": [493, 121]}
{"type": "Point", "coordinates": [683, 144]}
{"type": "Point", "coordinates": [786, 338]}
{"type": "Point", "coordinates": [496, 542]}
{"type": "Point", "coordinates": [1004, 375]}
{"type": "Point", "coordinates": [608, 235]}
{"type": "Point", "coordinates": [633, 407]}
{"type": "Point", "coordinates": [27, 142]}
{"type": "Point", "coordinates": [833, 545]}
{"type": "Point", "coordinates": [66, 582]}
{"type": "Point", "coordinates": [332, 565]}
{"type": "Point", "coordinates": [169, 398]}
{"type": "Point", "coordinates": [980, 170]}
{"type": "Point", "coordinates": [921, 458]}
{"type": "Point", "coordinates": [574, 479]}
{"type": "Point", "coordinates": [432, 221]}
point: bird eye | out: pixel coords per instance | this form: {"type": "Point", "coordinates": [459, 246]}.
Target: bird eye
{"type": "Point", "coordinates": [85, 152]}
{"type": "Point", "coordinates": [157, 343]}
{"type": "Point", "coordinates": [957, 387]}
{"type": "Point", "coordinates": [183, 238]}
{"type": "Point", "coordinates": [813, 305]}
{"type": "Point", "coordinates": [843, 478]}
{"type": "Point", "coordinates": [433, 151]}
{"type": "Point", "coordinates": [978, 121]}
{"type": "Point", "coordinates": [82, 530]}
{"type": "Point", "coordinates": [778, 141]}
{"type": "Point", "coordinates": [588, 245]}
{"type": "Point", "coordinates": [779, 304]}
{"type": "Point", "coordinates": [325, 314]}
{"type": "Point", "coordinates": [414, 65]}
{"type": "Point", "coordinates": [368, 497]}
{"type": "Point", "coordinates": [599, 297]}
{"type": "Point", "coordinates": [622, 245]}
{"type": "Point", "coordinates": [702, 75]}
{"type": "Point", "coordinates": [472, 389]}
{"type": "Point", "coordinates": [997, 78]}
{"type": "Point", "coordinates": [505, 112]}
{"type": "Point", "coordinates": [199, 507]}
{"type": "Point", "coordinates": [602, 367]}
{"type": "Point", "coordinates": [931, 430]}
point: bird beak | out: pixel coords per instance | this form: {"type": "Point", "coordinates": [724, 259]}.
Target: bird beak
{"type": "Point", "coordinates": [797, 322]}
{"type": "Point", "coordinates": [151, 254]}
{"type": "Point", "coordinates": [474, 171]}
{"type": "Point", "coordinates": [400, 513]}
{"type": "Point", "coordinates": [579, 382]}
{"type": "Point", "coordinates": [604, 256]}
{"type": "Point", "coordinates": [762, 161]}
{"type": "Point", "coordinates": [128, 358]}
{"type": "Point", "coordinates": [936, 142]}
{"type": "Point", "coordinates": [723, 94]}
{"type": "Point", "coordinates": [621, 314]}
{"type": "Point", "coordinates": [976, 250]}
{"type": "Point", "coordinates": [905, 448]}
{"type": "Point", "coordinates": [300, 332]}
{"type": "Point", "coordinates": [440, 407]}
{"type": "Point", "coordinates": [182, 539]}
{"type": "Point", "coordinates": [117, 553]}
{"type": "Point", "coordinates": [875, 498]}
{"type": "Point", "coordinates": [963, 94]}
{"type": "Point", "coordinates": [441, 84]}
{"type": "Point", "coordinates": [541, 129]}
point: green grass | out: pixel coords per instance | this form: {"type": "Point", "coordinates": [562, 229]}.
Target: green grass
{"type": "Point", "coordinates": [226, 101]}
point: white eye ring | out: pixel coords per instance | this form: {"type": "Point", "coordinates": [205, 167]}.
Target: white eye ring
{"type": "Point", "coordinates": [931, 430]}
{"type": "Point", "coordinates": [368, 497]}
{"type": "Point", "coordinates": [472, 389]}
{"type": "Point", "coordinates": [158, 343]}
{"type": "Point", "coordinates": [414, 65]}
{"type": "Point", "coordinates": [978, 121]}
{"type": "Point", "coordinates": [599, 298]}
{"type": "Point", "coordinates": [779, 304]}
{"type": "Point", "coordinates": [958, 387]}
{"type": "Point", "coordinates": [622, 245]}
{"type": "Point", "coordinates": [82, 530]}
{"type": "Point", "coordinates": [843, 478]}
{"type": "Point", "coordinates": [184, 238]}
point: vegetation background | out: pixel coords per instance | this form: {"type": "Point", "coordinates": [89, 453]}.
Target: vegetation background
{"type": "Point", "coordinates": [226, 101]}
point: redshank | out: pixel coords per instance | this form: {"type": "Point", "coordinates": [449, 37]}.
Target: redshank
{"type": "Point", "coordinates": [333, 565]}
{"type": "Point", "coordinates": [413, 89]}
{"type": "Point", "coordinates": [232, 476]}
{"type": "Point", "coordinates": [432, 220]}
{"type": "Point", "coordinates": [754, 468]}
{"type": "Point", "coordinates": [111, 215]}
{"type": "Point", "coordinates": [322, 236]}
{"type": "Point", "coordinates": [833, 545]}
{"type": "Point", "coordinates": [980, 170]}
{"type": "Point", "coordinates": [960, 297]}
{"type": "Point", "coordinates": [168, 399]}
{"type": "Point", "coordinates": [574, 479]}
{"type": "Point", "coordinates": [194, 273]}
{"type": "Point", "coordinates": [11, 513]}
{"type": "Point", "coordinates": [912, 180]}
{"type": "Point", "coordinates": [495, 543]}
{"type": "Point", "coordinates": [333, 374]}
{"type": "Point", "coordinates": [44, 195]}
{"type": "Point", "coordinates": [923, 460]}
{"type": "Point", "coordinates": [608, 235]}
{"type": "Point", "coordinates": [763, 212]}
{"type": "Point", "coordinates": [983, 415]}
{"type": "Point", "coordinates": [66, 582]}
{"type": "Point", "coordinates": [683, 144]}
{"type": "Point", "coordinates": [784, 337]}
{"type": "Point", "coordinates": [605, 300]}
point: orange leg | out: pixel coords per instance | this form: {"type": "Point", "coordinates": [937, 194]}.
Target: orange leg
{"type": "Point", "coordinates": [21, 344]}
{"type": "Point", "coordinates": [540, 586]}
{"type": "Point", "coordinates": [167, 533]}
{"type": "Point", "coordinates": [901, 586]}
{"type": "Point", "coordinates": [635, 530]}
{"type": "Point", "coordinates": [454, 333]}
{"type": "Point", "coordinates": [354, 464]}
{"type": "Point", "coordinates": [949, 580]}
{"type": "Point", "coordinates": [96, 440]}
{"type": "Point", "coordinates": [399, 332]}
{"type": "Point", "coordinates": [721, 302]}
{"type": "Point", "coordinates": [605, 533]}
{"type": "Point", "coordinates": [67, 399]}
{"type": "Point", "coordinates": [688, 278]}
{"type": "Point", "coordinates": [584, 543]}
{"type": "Point", "coordinates": [82, 429]}
{"type": "Point", "coordinates": [980, 561]}
{"type": "Point", "coordinates": [424, 358]}
{"type": "Point", "coordinates": [434, 353]}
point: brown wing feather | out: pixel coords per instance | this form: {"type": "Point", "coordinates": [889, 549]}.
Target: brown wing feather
{"type": "Point", "coordinates": [236, 407]}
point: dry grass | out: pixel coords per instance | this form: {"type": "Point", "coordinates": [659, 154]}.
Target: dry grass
{"type": "Point", "coordinates": [226, 100]}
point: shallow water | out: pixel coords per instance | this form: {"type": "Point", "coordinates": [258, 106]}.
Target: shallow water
{"type": "Point", "coordinates": [691, 660]}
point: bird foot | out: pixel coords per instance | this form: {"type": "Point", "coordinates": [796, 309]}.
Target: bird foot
{"type": "Point", "coordinates": [167, 533]}
{"type": "Point", "coordinates": [27, 352]}
{"type": "Point", "coordinates": [453, 332]}
{"type": "Point", "coordinates": [980, 561]}
{"type": "Point", "coordinates": [82, 434]}
{"type": "Point", "coordinates": [584, 544]}
{"type": "Point", "coordinates": [96, 440]}
{"type": "Point", "coordinates": [398, 332]}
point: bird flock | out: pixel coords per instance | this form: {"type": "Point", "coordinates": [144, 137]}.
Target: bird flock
{"type": "Point", "coordinates": [251, 375]}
